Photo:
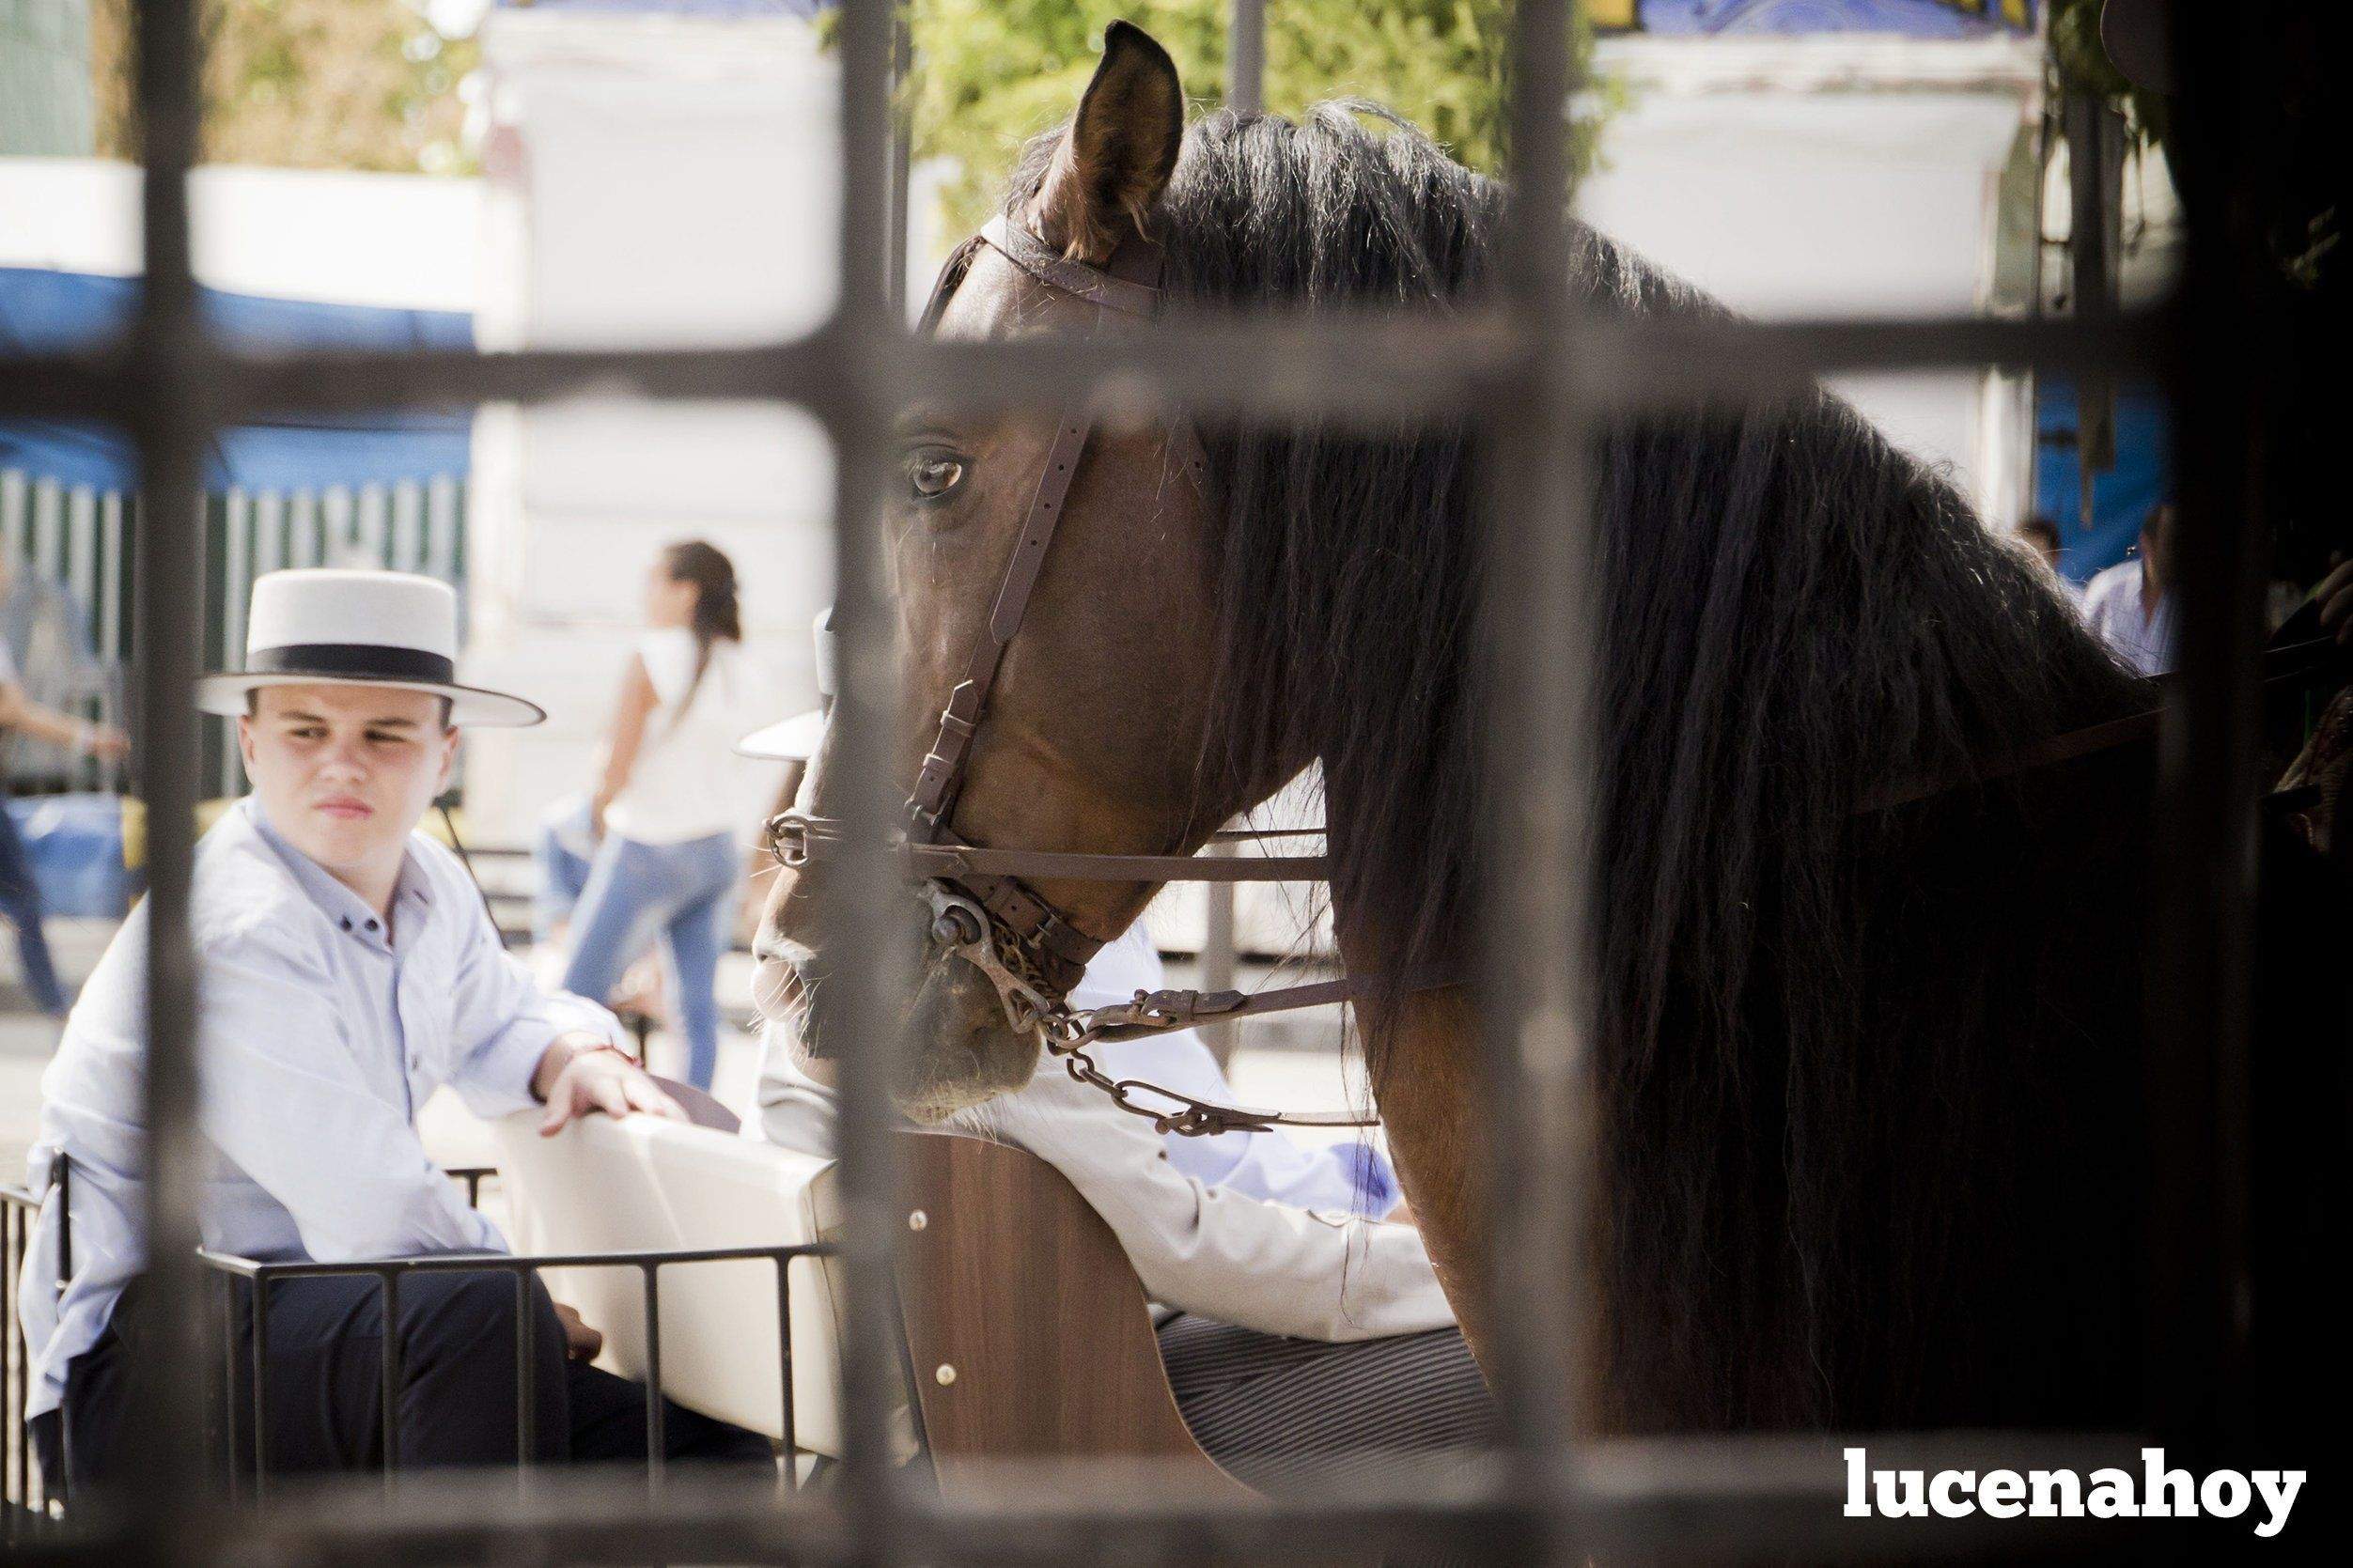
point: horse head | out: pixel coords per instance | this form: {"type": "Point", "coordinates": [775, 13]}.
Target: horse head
{"type": "Point", "coordinates": [1095, 714]}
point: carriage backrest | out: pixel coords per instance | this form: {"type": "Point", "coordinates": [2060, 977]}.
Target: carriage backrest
{"type": "Point", "coordinates": [639, 1183]}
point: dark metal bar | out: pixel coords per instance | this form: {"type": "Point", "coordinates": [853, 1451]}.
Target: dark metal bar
{"type": "Point", "coordinates": [63, 1177]}
{"type": "Point", "coordinates": [526, 1402]}
{"type": "Point", "coordinates": [1272, 366]}
{"type": "Point", "coordinates": [790, 1429]}
{"type": "Point", "coordinates": [2201, 949]}
{"type": "Point", "coordinates": [1537, 992]}
{"type": "Point", "coordinates": [903, 139]}
{"type": "Point", "coordinates": [389, 1282]}
{"type": "Point", "coordinates": [14, 1430]}
{"type": "Point", "coordinates": [653, 1376]}
{"type": "Point", "coordinates": [1246, 57]}
{"type": "Point", "coordinates": [1218, 955]}
{"type": "Point", "coordinates": [228, 1382]}
{"type": "Point", "coordinates": [1693, 1499]}
{"type": "Point", "coordinates": [169, 415]}
{"type": "Point", "coordinates": [261, 1387]}
{"type": "Point", "coordinates": [452, 1263]}
{"type": "Point", "coordinates": [855, 905]}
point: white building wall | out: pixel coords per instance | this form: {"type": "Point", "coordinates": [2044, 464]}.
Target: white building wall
{"type": "Point", "coordinates": [652, 182]}
{"type": "Point", "coordinates": [1839, 175]}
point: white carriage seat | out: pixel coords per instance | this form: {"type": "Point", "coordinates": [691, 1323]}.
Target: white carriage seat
{"type": "Point", "coordinates": [641, 1182]}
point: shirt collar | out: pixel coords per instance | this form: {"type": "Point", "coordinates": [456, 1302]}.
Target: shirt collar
{"type": "Point", "coordinates": [348, 909]}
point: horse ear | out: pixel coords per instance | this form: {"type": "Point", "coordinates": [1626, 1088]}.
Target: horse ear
{"type": "Point", "coordinates": [1115, 159]}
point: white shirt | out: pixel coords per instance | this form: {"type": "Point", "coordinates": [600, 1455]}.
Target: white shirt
{"type": "Point", "coordinates": [1353, 1177]}
{"type": "Point", "coordinates": [2111, 608]}
{"type": "Point", "coordinates": [688, 781]}
{"type": "Point", "coordinates": [317, 1038]}
{"type": "Point", "coordinates": [1210, 1250]}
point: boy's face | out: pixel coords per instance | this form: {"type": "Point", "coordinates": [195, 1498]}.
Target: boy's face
{"type": "Point", "coordinates": [345, 772]}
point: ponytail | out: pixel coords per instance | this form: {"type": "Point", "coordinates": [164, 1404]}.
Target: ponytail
{"type": "Point", "coordinates": [718, 611]}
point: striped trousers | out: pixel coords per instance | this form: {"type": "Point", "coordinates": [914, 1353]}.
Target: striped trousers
{"type": "Point", "coordinates": [1283, 1415]}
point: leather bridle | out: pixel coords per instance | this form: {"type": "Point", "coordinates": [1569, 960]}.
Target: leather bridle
{"type": "Point", "coordinates": [981, 910]}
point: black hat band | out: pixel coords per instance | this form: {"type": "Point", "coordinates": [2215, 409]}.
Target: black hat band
{"type": "Point", "coordinates": [358, 661]}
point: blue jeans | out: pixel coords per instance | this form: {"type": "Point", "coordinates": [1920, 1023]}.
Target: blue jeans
{"type": "Point", "coordinates": [628, 895]}
{"type": "Point", "coordinates": [20, 901]}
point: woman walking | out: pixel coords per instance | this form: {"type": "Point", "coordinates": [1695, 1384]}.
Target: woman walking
{"type": "Point", "coordinates": [671, 806]}
{"type": "Point", "coordinates": [20, 895]}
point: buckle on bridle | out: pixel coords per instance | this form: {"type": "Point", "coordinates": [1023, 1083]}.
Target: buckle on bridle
{"type": "Point", "coordinates": [963, 928]}
{"type": "Point", "coordinates": [787, 839]}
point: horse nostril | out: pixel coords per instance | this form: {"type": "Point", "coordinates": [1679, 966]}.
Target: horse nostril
{"type": "Point", "coordinates": [954, 929]}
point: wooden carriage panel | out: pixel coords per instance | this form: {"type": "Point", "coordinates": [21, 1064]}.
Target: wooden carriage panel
{"type": "Point", "coordinates": [1027, 1330]}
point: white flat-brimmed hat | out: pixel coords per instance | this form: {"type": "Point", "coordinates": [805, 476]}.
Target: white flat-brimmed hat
{"type": "Point", "coordinates": [796, 739]}
{"type": "Point", "coordinates": [793, 740]}
{"type": "Point", "coordinates": [317, 626]}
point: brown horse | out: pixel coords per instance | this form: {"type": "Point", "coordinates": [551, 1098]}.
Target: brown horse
{"type": "Point", "coordinates": [1869, 1139]}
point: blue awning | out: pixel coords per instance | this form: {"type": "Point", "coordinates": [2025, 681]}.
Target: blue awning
{"type": "Point", "coordinates": [2123, 497]}
{"type": "Point", "coordinates": [49, 312]}
{"type": "Point", "coordinates": [1920, 19]}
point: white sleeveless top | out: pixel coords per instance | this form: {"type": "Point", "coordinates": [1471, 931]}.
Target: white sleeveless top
{"type": "Point", "coordinates": [688, 782]}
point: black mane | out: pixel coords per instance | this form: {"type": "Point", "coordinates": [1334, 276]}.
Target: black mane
{"type": "Point", "coordinates": [1838, 1046]}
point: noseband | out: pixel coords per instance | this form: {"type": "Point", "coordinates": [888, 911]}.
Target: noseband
{"type": "Point", "coordinates": [981, 909]}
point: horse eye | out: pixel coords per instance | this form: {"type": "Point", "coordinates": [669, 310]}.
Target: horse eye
{"type": "Point", "coordinates": [932, 475]}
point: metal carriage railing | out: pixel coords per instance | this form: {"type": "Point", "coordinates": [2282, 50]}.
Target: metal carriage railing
{"type": "Point", "coordinates": [1527, 369]}
{"type": "Point", "coordinates": [32, 1503]}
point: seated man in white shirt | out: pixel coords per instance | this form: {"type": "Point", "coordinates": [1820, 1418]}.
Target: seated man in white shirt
{"type": "Point", "coordinates": [348, 967]}
{"type": "Point", "coordinates": [2131, 605]}
{"type": "Point", "coordinates": [1301, 1334]}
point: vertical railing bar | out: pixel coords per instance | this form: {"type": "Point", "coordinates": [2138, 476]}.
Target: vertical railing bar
{"type": "Point", "coordinates": [63, 1180]}
{"type": "Point", "coordinates": [902, 150]}
{"type": "Point", "coordinates": [653, 1376]}
{"type": "Point", "coordinates": [61, 1486]}
{"type": "Point", "coordinates": [11, 1489]}
{"type": "Point", "coordinates": [2201, 949]}
{"type": "Point", "coordinates": [854, 906]}
{"type": "Point", "coordinates": [1246, 57]}
{"type": "Point", "coordinates": [110, 637]}
{"type": "Point", "coordinates": [789, 1428]}
{"type": "Point", "coordinates": [390, 1280]}
{"type": "Point", "coordinates": [1218, 957]}
{"type": "Point", "coordinates": [1537, 995]}
{"type": "Point", "coordinates": [171, 385]}
{"type": "Point", "coordinates": [261, 1384]}
{"type": "Point", "coordinates": [14, 500]}
{"type": "Point", "coordinates": [228, 1383]}
{"type": "Point", "coordinates": [526, 1402]}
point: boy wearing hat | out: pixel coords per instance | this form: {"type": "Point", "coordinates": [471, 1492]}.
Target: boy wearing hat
{"type": "Point", "coordinates": [347, 968]}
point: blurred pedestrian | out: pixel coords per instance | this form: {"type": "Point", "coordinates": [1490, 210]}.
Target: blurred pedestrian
{"type": "Point", "coordinates": [653, 853]}
{"type": "Point", "coordinates": [20, 895]}
{"type": "Point", "coordinates": [2131, 605]}
{"type": "Point", "coordinates": [2041, 535]}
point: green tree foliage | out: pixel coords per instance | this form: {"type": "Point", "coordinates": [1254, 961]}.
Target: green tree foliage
{"type": "Point", "coordinates": [990, 75]}
{"type": "Point", "coordinates": [305, 83]}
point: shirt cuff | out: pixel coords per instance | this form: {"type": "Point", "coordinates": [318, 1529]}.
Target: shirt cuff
{"type": "Point", "coordinates": [500, 1084]}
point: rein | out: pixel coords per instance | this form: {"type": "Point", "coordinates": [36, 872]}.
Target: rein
{"type": "Point", "coordinates": [981, 908]}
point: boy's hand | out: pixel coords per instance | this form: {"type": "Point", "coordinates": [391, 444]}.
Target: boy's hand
{"type": "Point", "coordinates": [575, 1078]}
{"type": "Point", "coordinates": [581, 1342]}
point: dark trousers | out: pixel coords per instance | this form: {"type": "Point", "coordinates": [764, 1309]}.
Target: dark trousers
{"type": "Point", "coordinates": [20, 903]}
{"type": "Point", "coordinates": [324, 1409]}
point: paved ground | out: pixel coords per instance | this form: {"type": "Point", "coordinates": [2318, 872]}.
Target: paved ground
{"type": "Point", "coordinates": [1295, 1065]}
